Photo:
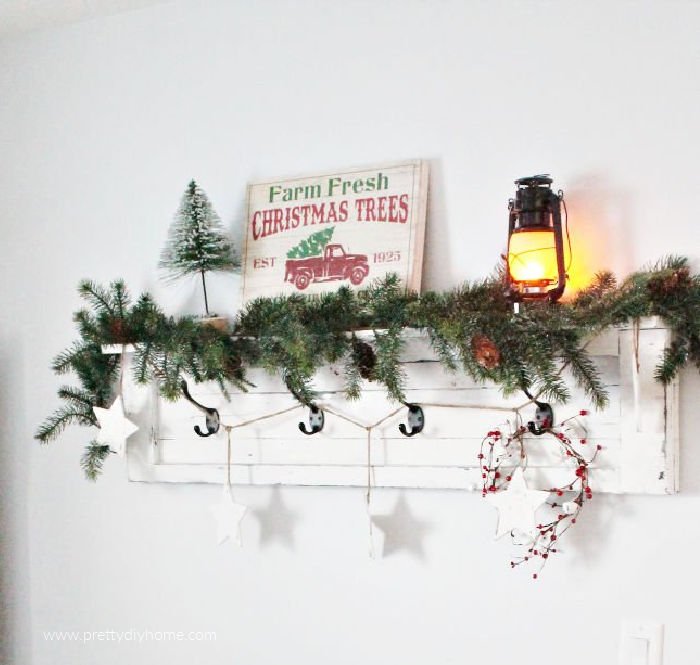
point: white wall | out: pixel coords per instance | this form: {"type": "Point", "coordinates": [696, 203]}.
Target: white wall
{"type": "Point", "coordinates": [101, 125]}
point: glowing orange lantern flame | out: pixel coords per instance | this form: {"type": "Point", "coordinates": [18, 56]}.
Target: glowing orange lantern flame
{"type": "Point", "coordinates": [532, 257]}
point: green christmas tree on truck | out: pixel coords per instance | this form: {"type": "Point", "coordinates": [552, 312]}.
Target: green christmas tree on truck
{"type": "Point", "coordinates": [197, 243]}
{"type": "Point", "coordinates": [311, 246]}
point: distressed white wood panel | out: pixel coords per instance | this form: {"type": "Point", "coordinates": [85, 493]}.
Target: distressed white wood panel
{"type": "Point", "coordinates": [638, 430]}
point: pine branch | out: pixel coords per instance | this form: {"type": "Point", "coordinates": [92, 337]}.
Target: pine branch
{"type": "Point", "coordinates": [353, 379]}
{"type": "Point", "coordinates": [52, 427]}
{"type": "Point", "coordinates": [299, 385]}
{"type": "Point", "coordinates": [296, 336]}
{"type": "Point", "coordinates": [93, 459]}
{"type": "Point", "coordinates": [64, 361]}
{"type": "Point", "coordinates": [97, 296]}
{"type": "Point", "coordinates": [387, 370]}
{"type": "Point", "coordinates": [673, 359]}
{"type": "Point", "coordinates": [587, 376]}
{"type": "Point", "coordinates": [79, 398]}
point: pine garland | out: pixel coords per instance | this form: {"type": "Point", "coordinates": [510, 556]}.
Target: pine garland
{"type": "Point", "coordinates": [294, 336]}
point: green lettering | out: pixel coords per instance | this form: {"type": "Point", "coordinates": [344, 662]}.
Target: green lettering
{"type": "Point", "coordinates": [274, 191]}
{"type": "Point", "coordinates": [312, 191]}
{"type": "Point", "coordinates": [332, 184]}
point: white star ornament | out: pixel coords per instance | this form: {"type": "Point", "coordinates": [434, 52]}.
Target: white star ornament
{"type": "Point", "coordinates": [517, 506]}
{"type": "Point", "coordinates": [115, 427]}
{"type": "Point", "coordinates": [228, 515]}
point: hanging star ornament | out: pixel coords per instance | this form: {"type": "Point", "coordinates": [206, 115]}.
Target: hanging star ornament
{"type": "Point", "coordinates": [228, 515]}
{"type": "Point", "coordinates": [276, 521]}
{"type": "Point", "coordinates": [115, 427]}
{"type": "Point", "coordinates": [401, 531]}
{"type": "Point", "coordinates": [517, 506]}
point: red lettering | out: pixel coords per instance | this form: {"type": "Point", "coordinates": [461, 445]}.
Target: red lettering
{"type": "Point", "coordinates": [403, 207]}
{"type": "Point", "coordinates": [317, 212]}
{"type": "Point", "coordinates": [393, 214]}
{"type": "Point", "coordinates": [382, 210]}
{"type": "Point", "coordinates": [256, 221]}
{"type": "Point", "coordinates": [343, 209]}
{"type": "Point", "coordinates": [277, 224]}
{"type": "Point", "coordinates": [332, 213]}
{"type": "Point", "coordinates": [365, 210]}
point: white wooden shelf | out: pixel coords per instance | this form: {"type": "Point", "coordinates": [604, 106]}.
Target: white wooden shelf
{"type": "Point", "coordinates": [638, 430]}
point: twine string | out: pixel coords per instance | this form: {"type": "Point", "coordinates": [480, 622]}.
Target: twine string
{"type": "Point", "coordinates": [265, 417]}
{"type": "Point", "coordinates": [122, 369]}
{"type": "Point", "coordinates": [228, 456]}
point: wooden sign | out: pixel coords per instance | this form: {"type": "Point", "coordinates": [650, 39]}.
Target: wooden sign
{"type": "Point", "coordinates": [313, 234]}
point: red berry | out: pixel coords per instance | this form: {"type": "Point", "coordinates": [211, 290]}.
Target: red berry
{"type": "Point", "coordinates": [554, 536]}
{"type": "Point", "coordinates": [584, 441]}
{"type": "Point", "coordinates": [583, 412]}
{"type": "Point", "coordinates": [573, 520]}
{"type": "Point", "coordinates": [497, 474]}
{"type": "Point", "coordinates": [480, 456]}
{"type": "Point", "coordinates": [599, 447]}
{"type": "Point", "coordinates": [508, 477]}
{"type": "Point", "coordinates": [560, 493]}
{"type": "Point", "coordinates": [545, 555]}
{"type": "Point", "coordinates": [534, 576]}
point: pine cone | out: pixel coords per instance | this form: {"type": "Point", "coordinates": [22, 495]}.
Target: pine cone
{"type": "Point", "coordinates": [118, 332]}
{"type": "Point", "coordinates": [365, 358]}
{"type": "Point", "coordinates": [485, 352]}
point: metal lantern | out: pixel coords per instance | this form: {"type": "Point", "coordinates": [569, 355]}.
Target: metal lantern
{"type": "Point", "coordinates": [536, 266]}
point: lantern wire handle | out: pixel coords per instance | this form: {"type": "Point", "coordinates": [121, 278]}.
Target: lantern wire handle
{"type": "Point", "coordinates": [560, 194]}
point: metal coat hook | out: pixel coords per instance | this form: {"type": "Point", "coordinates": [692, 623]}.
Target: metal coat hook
{"type": "Point", "coordinates": [544, 419]}
{"type": "Point", "coordinates": [212, 420]}
{"type": "Point", "coordinates": [544, 416]}
{"type": "Point", "coordinates": [316, 421]}
{"type": "Point", "coordinates": [416, 421]}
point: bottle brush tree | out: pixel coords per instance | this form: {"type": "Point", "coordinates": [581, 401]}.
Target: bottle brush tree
{"type": "Point", "coordinates": [197, 242]}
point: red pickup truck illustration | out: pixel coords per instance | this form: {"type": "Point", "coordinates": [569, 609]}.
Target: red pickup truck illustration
{"type": "Point", "coordinates": [334, 264]}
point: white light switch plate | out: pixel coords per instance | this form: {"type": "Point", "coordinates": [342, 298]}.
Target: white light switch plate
{"type": "Point", "coordinates": [642, 643]}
